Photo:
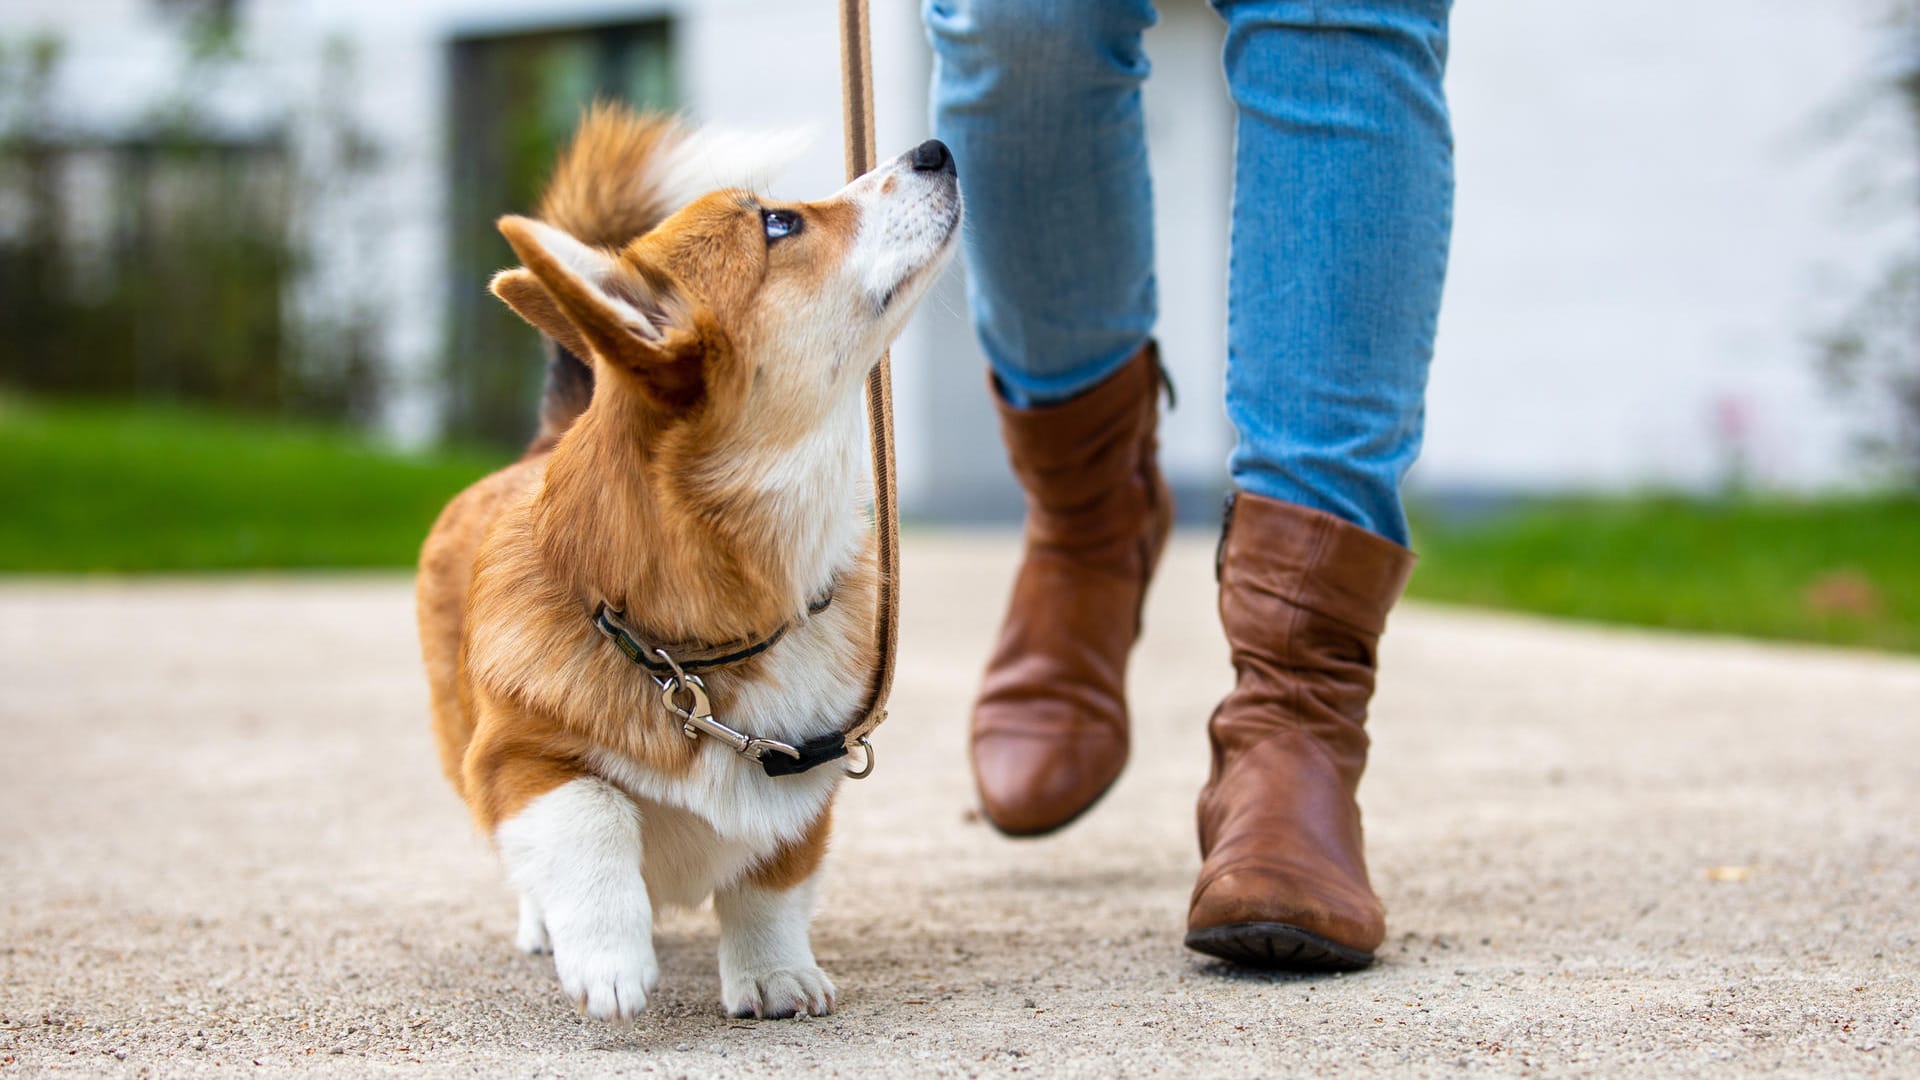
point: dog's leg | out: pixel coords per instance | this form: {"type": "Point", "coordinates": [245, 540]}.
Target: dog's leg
{"type": "Point", "coordinates": [532, 935]}
{"type": "Point", "coordinates": [766, 960]}
{"type": "Point", "coordinates": [574, 851]}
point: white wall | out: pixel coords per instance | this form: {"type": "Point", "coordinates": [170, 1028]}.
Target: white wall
{"type": "Point", "coordinates": [1190, 140]}
{"type": "Point", "coordinates": [1650, 223]}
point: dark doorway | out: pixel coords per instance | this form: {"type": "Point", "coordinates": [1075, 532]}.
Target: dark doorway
{"type": "Point", "coordinates": [514, 100]}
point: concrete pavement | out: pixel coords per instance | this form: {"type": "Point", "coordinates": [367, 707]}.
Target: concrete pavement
{"type": "Point", "coordinates": [225, 848]}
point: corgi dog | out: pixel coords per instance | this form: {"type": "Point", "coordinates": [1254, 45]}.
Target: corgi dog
{"type": "Point", "coordinates": [643, 636]}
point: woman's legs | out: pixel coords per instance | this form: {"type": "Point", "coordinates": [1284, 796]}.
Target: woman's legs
{"type": "Point", "coordinates": [1342, 212]}
{"type": "Point", "coordinates": [1343, 196]}
{"type": "Point", "coordinates": [1040, 102]}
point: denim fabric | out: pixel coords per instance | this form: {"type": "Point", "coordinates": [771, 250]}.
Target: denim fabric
{"type": "Point", "coordinates": [1342, 209]}
{"type": "Point", "coordinates": [1040, 102]}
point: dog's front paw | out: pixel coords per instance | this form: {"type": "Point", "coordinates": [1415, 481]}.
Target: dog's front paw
{"type": "Point", "coordinates": [609, 982]}
{"type": "Point", "coordinates": [777, 994]}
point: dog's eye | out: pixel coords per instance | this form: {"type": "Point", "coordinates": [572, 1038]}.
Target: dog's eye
{"type": "Point", "coordinates": [780, 223]}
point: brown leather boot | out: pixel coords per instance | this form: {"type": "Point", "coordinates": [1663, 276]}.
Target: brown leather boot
{"type": "Point", "coordinates": [1283, 881]}
{"type": "Point", "coordinates": [1050, 727]}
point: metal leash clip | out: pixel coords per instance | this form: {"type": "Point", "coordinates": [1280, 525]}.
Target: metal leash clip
{"type": "Point", "coordinates": [696, 717]}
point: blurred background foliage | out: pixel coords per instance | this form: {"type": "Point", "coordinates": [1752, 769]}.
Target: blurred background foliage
{"type": "Point", "coordinates": [108, 487]}
{"type": "Point", "coordinates": [1842, 570]}
{"type": "Point", "coordinates": [160, 266]}
{"type": "Point", "coordinates": [1872, 358]}
{"type": "Point", "coordinates": [177, 393]}
{"type": "Point", "coordinates": [173, 265]}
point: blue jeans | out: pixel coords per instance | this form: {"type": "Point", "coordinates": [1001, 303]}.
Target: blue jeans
{"type": "Point", "coordinates": [1342, 210]}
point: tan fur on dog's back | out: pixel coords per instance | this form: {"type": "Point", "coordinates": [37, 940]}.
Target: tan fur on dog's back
{"type": "Point", "coordinates": [441, 589]}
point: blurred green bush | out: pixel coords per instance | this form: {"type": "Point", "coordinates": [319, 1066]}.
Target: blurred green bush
{"type": "Point", "coordinates": [162, 263]}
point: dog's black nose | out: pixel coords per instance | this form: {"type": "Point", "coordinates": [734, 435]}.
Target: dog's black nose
{"type": "Point", "coordinates": [932, 156]}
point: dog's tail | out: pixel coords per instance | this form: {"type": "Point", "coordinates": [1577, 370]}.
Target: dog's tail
{"type": "Point", "coordinates": [623, 174]}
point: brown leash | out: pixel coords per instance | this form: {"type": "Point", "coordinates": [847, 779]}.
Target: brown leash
{"type": "Point", "coordinates": [856, 114]}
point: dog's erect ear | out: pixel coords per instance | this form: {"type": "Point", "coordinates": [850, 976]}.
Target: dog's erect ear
{"type": "Point", "coordinates": [531, 301]}
{"type": "Point", "coordinates": [588, 301]}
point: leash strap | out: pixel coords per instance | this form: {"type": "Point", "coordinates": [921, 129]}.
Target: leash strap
{"type": "Point", "coordinates": [856, 113]}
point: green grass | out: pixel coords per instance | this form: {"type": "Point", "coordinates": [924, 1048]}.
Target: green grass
{"type": "Point", "coordinates": [1839, 571]}
{"type": "Point", "coordinates": [138, 488]}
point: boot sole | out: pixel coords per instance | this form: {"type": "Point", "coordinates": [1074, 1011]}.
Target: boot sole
{"type": "Point", "coordinates": [1276, 947]}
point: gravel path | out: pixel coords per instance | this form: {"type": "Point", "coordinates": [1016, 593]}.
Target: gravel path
{"type": "Point", "coordinates": [225, 847]}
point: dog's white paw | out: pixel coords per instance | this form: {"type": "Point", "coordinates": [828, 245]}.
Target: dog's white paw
{"type": "Point", "coordinates": [777, 994]}
{"type": "Point", "coordinates": [608, 982]}
{"type": "Point", "coordinates": [532, 935]}
{"type": "Point", "coordinates": [575, 853]}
